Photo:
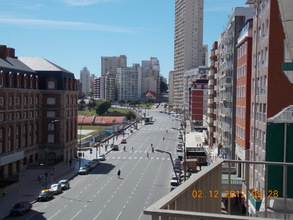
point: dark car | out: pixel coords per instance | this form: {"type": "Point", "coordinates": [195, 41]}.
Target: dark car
{"type": "Point", "coordinates": [115, 147]}
{"type": "Point", "coordinates": [21, 208]}
{"type": "Point", "coordinates": [45, 195]}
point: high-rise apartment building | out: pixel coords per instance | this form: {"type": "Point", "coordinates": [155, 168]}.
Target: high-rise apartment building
{"type": "Point", "coordinates": [150, 71]}
{"type": "Point", "coordinates": [227, 71]}
{"type": "Point", "coordinates": [128, 81]}
{"type": "Point", "coordinates": [111, 64]}
{"type": "Point", "coordinates": [85, 80]}
{"type": "Point", "coordinates": [188, 48]}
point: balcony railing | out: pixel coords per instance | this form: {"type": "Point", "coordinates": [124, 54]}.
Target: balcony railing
{"type": "Point", "coordinates": [203, 194]}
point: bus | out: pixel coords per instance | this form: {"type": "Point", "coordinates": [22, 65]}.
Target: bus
{"type": "Point", "coordinates": [148, 120]}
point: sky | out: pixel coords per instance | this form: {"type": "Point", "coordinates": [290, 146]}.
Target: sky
{"type": "Point", "coordinates": [76, 33]}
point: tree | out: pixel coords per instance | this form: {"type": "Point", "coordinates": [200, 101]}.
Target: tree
{"type": "Point", "coordinates": [102, 107]}
{"type": "Point", "coordinates": [163, 87]}
{"type": "Point", "coordinates": [81, 105]}
{"type": "Point", "coordinates": [92, 104]}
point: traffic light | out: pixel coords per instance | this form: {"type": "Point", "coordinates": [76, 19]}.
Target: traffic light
{"type": "Point", "coordinates": [91, 151]}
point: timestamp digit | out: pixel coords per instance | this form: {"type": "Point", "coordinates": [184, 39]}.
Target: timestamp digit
{"type": "Point", "coordinates": [196, 193]}
{"type": "Point", "coordinates": [214, 194]}
{"type": "Point", "coordinates": [273, 193]}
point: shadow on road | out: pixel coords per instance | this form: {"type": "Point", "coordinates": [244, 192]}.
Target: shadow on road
{"type": "Point", "coordinates": [103, 168]}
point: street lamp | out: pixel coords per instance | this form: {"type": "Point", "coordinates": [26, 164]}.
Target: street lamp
{"type": "Point", "coordinates": [79, 159]}
{"type": "Point", "coordinates": [162, 151]}
{"type": "Point", "coordinates": [184, 152]}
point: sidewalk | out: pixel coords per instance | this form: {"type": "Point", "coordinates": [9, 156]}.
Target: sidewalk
{"type": "Point", "coordinates": [29, 187]}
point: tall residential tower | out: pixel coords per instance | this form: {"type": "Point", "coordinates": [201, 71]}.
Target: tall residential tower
{"type": "Point", "coordinates": [188, 46]}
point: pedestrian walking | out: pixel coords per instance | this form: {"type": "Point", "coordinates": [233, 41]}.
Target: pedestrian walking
{"type": "Point", "coordinates": [70, 162]}
{"type": "Point", "coordinates": [132, 149]}
{"type": "Point", "coordinates": [3, 192]}
{"type": "Point", "coordinates": [148, 155]}
{"type": "Point", "coordinates": [118, 173]}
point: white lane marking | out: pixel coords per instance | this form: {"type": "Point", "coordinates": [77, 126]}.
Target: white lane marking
{"type": "Point", "coordinates": [97, 215]}
{"type": "Point", "coordinates": [140, 216]}
{"type": "Point", "coordinates": [118, 215]}
{"type": "Point", "coordinates": [54, 215]}
{"type": "Point", "coordinates": [75, 215]}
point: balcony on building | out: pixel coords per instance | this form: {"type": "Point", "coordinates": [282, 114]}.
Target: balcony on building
{"type": "Point", "coordinates": [212, 193]}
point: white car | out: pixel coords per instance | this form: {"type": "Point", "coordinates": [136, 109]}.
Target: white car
{"type": "Point", "coordinates": [64, 184]}
{"type": "Point", "coordinates": [56, 188]}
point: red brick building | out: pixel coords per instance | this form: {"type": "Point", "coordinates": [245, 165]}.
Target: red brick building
{"type": "Point", "coordinates": [198, 101]}
{"type": "Point", "coordinates": [38, 113]}
{"type": "Point", "coordinates": [243, 93]}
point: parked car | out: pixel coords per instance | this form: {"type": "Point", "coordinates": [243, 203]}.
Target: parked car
{"type": "Point", "coordinates": [115, 147]}
{"type": "Point", "coordinates": [174, 182]}
{"type": "Point", "coordinates": [21, 208]}
{"type": "Point", "coordinates": [97, 160]}
{"type": "Point", "coordinates": [64, 184]}
{"type": "Point", "coordinates": [93, 163]}
{"type": "Point", "coordinates": [179, 148]}
{"type": "Point", "coordinates": [45, 195]}
{"type": "Point", "coordinates": [123, 141]}
{"type": "Point", "coordinates": [101, 157]}
{"type": "Point", "coordinates": [56, 188]}
{"type": "Point", "coordinates": [83, 170]}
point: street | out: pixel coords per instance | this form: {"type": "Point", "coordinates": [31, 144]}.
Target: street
{"type": "Point", "coordinates": [145, 178]}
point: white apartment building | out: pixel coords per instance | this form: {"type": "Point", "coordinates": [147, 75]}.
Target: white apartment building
{"type": "Point", "coordinates": [188, 48]}
{"type": "Point", "coordinates": [150, 76]}
{"type": "Point", "coordinates": [128, 80]}
{"type": "Point", "coordinates": [85, 80]}
{"type": "Point", "coordinates": [227, 71]}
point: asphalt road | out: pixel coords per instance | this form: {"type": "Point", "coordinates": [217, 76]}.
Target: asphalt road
{"type": "Point", "coordinates": [102, 195]}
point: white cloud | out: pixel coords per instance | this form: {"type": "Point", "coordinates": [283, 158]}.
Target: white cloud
{"type": "Point", "coordinates": [66, 24]}
{"type": "Point", "coordinates": [84, 2]}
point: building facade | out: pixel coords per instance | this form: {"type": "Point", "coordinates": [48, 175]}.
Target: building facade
{"type": "Point", "coordinates": [270, 88]}
{"type": "Point", "coordinates": [188, 48]}
{"type": "Point", "coordinates": [129, 83]}
{"type": "Point", "coordinates": [227, 71]}
{"type": "Point", "coordinates": [243, 93]}
{"type": "Point", "coordinates": [111, 64]}
{"type": "Point", "coordinates": [38, 112]}
{"type": "Point", "coordinates": [85, 81]}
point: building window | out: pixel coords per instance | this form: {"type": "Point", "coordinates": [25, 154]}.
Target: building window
{"type": "Point", "coordinates": [1, 132]}
{"type": "Point", "coordinates": [37, 100]}
{"type": "Point", "coordinates": [24, 100]}
{"type": "Point", "coordinates": [51, 127]}
{"type": "Point", "coordinates": [10, 116]}
{"type": "Point", "coordinates": [51, 101]}
{"type": "Point", "coordinates": [24, 115]}
{"type": "Point", "coordinates": [51, 114]}
{"type": "Point", "coordinates": [51, 138]}
{"type": "Point", "coordinates": [1, 100]}
{"type": "Point", "coordinates": [1, 117]}
{"type": "Point", "coordinates": [17, 101]}
{"type": "Point", "coordinates": [17, 115]}
{"type": "Point", "coordinates": [1, 82]}
{"type": "Point", "coordinates": [51, 85]}
{"type": "Point", "coordinates": [0, 147]}
{"type": "Point", "coordinates": [10, 101]}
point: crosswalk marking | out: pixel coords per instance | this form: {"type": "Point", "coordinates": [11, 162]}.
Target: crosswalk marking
{"type": "Point", "coordinates": [137, 158]}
